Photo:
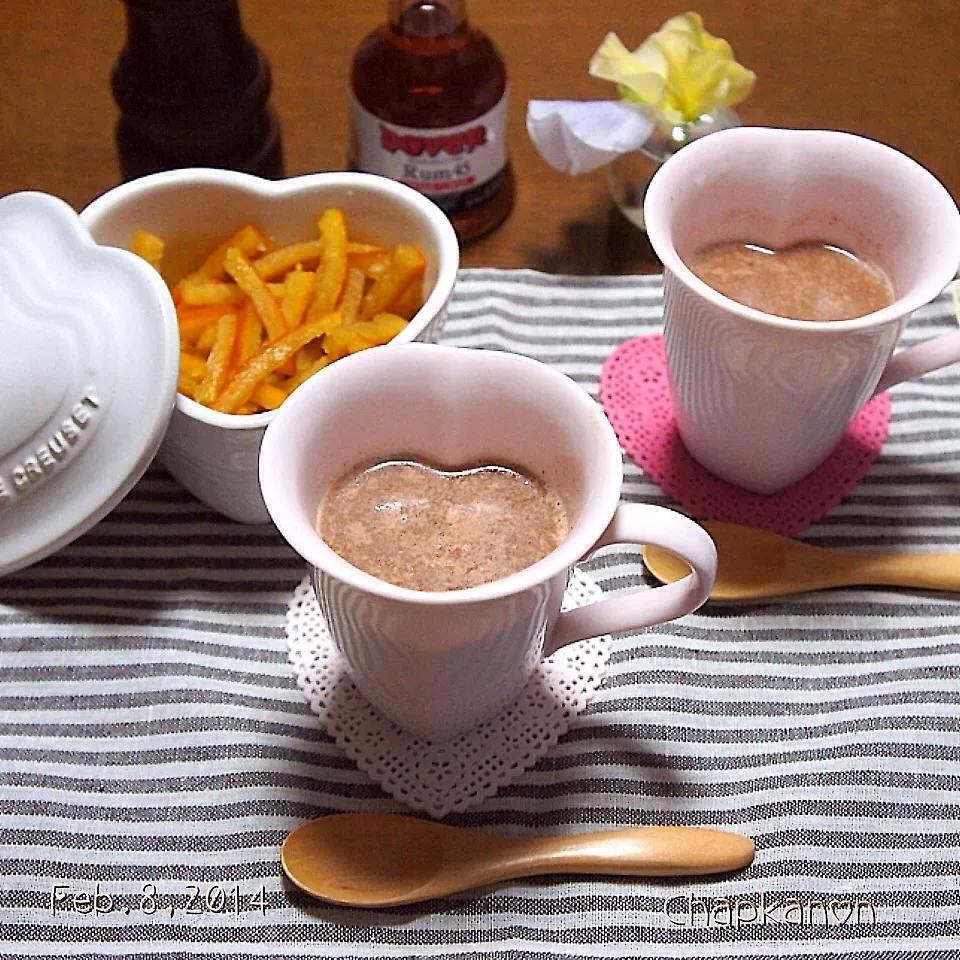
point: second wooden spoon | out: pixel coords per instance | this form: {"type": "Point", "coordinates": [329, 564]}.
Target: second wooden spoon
{"type": "Point", "coordinates": [754, 563]}
{"type": "Point", "coordinates": [380, 859]}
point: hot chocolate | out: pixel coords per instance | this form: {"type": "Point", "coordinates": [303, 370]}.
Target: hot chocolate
{"type": "Point", "coordinates": [427, 529]}
{"type": "Point", "coordinates": [807, 281]}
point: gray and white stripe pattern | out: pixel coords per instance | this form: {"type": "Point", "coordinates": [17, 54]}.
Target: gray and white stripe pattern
{"type": "Point", "coordinates": [155, 750]}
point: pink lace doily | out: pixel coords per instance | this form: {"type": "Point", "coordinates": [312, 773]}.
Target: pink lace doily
{"type": "Point", "coordinates": [635, 395]}
{"type": "Point", "coordinates": [446, 777]}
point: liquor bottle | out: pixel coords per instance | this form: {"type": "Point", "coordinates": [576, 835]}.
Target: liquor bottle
{"type": "Point", "coordinates": [193, 90]}
{"type": "Point", "coordinates": [429, 108]}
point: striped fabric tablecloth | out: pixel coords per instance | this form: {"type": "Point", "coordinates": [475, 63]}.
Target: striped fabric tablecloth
{"type": "Point", "coordinates": [154, 749]}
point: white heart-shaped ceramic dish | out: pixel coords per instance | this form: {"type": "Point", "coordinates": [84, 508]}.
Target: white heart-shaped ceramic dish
{"type": "Point", "coordinates": [214, 455]}
{"type": "Point", "coordinates": [88, 375]}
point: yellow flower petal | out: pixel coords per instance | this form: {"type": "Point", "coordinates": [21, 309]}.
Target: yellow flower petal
{"type": "Point", "coordinates": [613, 61]}
{"type": "Point", "coordinates": [636, 78]}
{"type": "Point", "coordinates": [692, 25]}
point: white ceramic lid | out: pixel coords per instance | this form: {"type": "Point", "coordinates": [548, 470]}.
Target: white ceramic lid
{"type": "Point", "coordinates": [89, 355]}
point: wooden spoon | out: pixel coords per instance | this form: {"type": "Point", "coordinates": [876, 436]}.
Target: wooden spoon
{"type": "Point", "coordinates": [754, 563]}
{"type": "Point", "coordinates": [383, 860]}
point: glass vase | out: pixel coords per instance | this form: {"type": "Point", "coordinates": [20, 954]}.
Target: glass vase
{"type": "Point", "coordinates": [629, 173]}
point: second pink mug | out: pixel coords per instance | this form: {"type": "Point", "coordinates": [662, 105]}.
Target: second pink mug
{"type": "Point", "coordinates": [762, 400]}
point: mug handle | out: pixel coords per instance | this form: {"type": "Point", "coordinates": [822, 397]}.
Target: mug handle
{"type": "Point", "coordinates": [923, 358]}
{"type": "Point", "coordinates": [659, 527]}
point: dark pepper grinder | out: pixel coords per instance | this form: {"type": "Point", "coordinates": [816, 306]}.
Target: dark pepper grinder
{"type": "Point", "coordinates": [193, 91]}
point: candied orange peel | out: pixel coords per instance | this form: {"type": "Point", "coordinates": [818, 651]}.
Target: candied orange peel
{"type": "Point", "coordinates": [256, 320]}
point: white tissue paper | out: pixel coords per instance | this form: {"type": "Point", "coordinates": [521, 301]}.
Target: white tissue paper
{"type": "Point", "coordinates": [576, 136]}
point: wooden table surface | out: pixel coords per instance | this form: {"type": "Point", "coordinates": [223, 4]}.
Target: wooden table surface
{"type": "Point", "coordinates": [888, 69]}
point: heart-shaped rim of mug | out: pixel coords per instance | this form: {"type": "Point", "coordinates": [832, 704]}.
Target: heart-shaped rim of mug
{"type": "Point", "coordinates": [295, 525]}
{"type": "Point", "coordinates": [726, 146]}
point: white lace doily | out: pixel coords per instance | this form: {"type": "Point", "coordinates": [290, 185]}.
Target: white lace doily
{"type": "Point", "coordinates": [446, 777]}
